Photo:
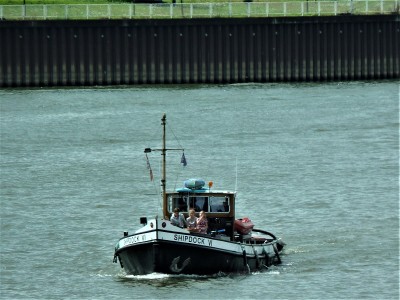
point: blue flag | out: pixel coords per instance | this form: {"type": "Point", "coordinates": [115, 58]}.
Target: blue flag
{"type": "Point", "coordinates": [183, 159]}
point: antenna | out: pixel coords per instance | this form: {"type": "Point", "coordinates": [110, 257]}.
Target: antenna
{"type": "Point", "coordinates": [236, 181]}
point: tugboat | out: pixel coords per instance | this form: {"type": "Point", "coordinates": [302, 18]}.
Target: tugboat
{"type": "Point", "coordinates": [229, 245]}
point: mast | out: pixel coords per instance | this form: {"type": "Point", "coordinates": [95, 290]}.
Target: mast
{"type": "Point", "coordinates": [163, 178]}
{"type": "Point", "coordinates": [164, 165]}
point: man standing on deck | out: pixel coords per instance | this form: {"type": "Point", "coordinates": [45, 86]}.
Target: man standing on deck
{"type": "Point", "coordinates": [178, 219]}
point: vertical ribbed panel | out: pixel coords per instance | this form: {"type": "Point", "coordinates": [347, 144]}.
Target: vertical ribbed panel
{"type": "Point", "coordinates": [47, 53]}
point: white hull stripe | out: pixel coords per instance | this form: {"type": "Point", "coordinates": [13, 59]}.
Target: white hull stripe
{"type": "Point", "coordinates": [197, 240]}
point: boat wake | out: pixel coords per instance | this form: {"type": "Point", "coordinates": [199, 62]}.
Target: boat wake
{"type": "Point", "coordinates": [152, 276]}
{"type": "Point", "coordinates": [161, 276]}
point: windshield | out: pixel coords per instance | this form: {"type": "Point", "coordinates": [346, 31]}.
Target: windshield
{"type": "Point", "coordinates": [198, 203]}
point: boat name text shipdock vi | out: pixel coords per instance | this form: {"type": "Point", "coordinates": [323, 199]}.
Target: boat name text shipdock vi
{"type": "Point", "coordinates": [135, 239]}
{"type": "Point", "coordinates": [193, 239]}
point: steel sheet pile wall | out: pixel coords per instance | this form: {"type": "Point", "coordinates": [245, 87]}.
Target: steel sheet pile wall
{"type": "Point", "coordinates": [109, 52]}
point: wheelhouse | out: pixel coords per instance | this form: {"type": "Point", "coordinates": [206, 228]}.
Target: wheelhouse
{"type": "Point", "coordinates": [219, 207]}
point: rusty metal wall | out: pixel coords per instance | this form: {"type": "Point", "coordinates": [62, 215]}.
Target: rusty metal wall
{"type": "Point", "coordinates": [114, 52]}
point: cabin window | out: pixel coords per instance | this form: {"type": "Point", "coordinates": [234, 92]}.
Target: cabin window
{"type": "Point", "coordinates": [198, 203]}
{"type": "Point", "coordinates": [177, 202]}
{"type": "Point", "coordinates": [219, 204]}
{"type": "Point", "coordinates": [184, 203]}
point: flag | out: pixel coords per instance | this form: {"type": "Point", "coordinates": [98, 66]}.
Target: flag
{"type": "Point", "coordinates": [183, 159]}
{"type": "Point", "coordinates": [149, 168]}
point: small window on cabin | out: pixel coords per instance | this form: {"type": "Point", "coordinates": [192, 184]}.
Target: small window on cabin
{"type": "Point", "coordinates": [177, 202]}
{"type": "Point", "coordinates": [219, 204]}
{"type": "Point", "coordinates": [171, 204]}
{"type": "Point", "coordinates": [182, 204]}
{"type": "Point", "coordinates": [198, 203]}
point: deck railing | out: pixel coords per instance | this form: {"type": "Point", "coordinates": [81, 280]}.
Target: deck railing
{"type": "Point", "coordinates": [198, 10]}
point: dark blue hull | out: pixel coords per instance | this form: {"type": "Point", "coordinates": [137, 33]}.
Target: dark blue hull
{"type": "Point", "coordinates": [176, 258]}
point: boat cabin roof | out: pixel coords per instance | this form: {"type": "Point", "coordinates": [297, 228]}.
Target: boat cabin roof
{"type": "Point", "coordinates": [203, 191]}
